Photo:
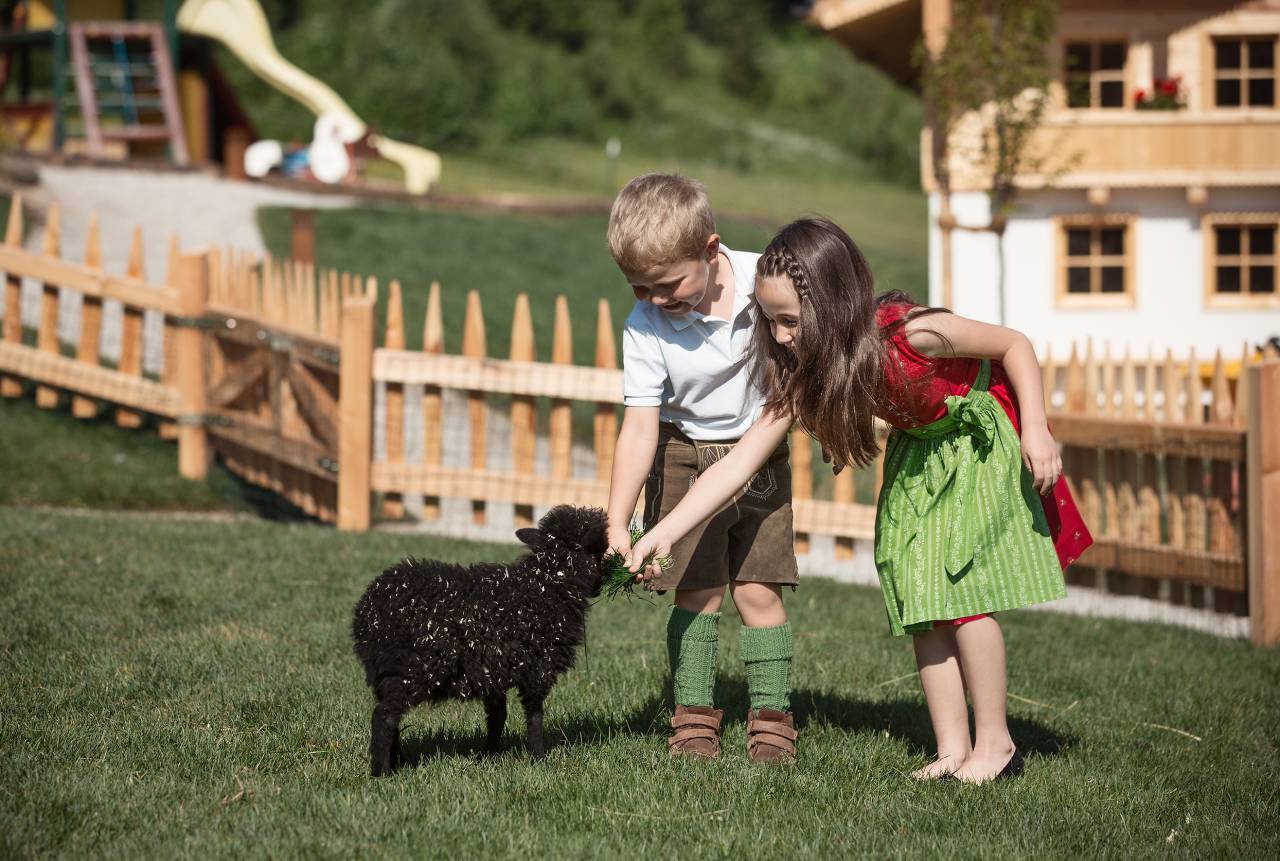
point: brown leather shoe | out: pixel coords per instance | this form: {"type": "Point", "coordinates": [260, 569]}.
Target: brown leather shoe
{"type": "Point", "coordinates": [771, 736]}
{"type": "Point", "coordinates": [695, 731]}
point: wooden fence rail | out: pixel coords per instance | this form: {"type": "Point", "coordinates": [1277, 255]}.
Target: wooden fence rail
{"type": "Point", "coordinates": [272, 365]}
{"type": "Point", "coordinates": [525, 381]}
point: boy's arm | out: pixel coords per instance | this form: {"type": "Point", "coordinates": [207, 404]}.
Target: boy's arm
{"type": "Point", "coordinates": [712, 490]}
{"type": "Point", "coordinates": [644, 383]}
{"type": "Point", "coordinates": [633, 455]}
{"type": "Point", "coordinates": [960, 336]}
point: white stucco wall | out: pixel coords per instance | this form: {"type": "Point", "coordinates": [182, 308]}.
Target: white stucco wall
{"type": "Point", "coordinates": [1168, 278]}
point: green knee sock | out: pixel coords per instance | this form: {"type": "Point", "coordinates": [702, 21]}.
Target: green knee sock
{"type": "Point", "coordinates": [691, 647]}
{"type": "Point", "coordinates": [767, 654]}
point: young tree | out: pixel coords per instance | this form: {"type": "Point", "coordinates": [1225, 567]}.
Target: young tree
{"type": "Point", "coordinates": [995, 67]}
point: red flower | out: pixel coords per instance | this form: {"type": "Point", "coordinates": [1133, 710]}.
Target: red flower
{"type": "Point", "coordinates": [1139, 96]}
{"type": "Point", "coordinates": [1169, 87]}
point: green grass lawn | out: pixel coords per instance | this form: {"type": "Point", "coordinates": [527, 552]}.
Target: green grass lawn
{"type": "Point", "coordinates": [188, 689]}
{"type": "Point", "coordinates": [49, 458]}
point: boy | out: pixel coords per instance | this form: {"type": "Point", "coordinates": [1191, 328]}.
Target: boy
{"type": "Point", "coordinates": [689, 397]}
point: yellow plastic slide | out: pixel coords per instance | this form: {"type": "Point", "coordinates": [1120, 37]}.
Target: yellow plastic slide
{"type": "Point", "coordinates": [242, 27]}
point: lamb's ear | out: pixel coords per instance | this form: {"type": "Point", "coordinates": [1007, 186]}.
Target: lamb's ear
{"type": "Point", "coordinates": [535, 538]}
{"type": "Point", "coordinates": [595, 539]}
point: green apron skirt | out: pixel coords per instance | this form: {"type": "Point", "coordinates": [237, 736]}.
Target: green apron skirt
{"type": "Point", "coordinates": [960, 528]}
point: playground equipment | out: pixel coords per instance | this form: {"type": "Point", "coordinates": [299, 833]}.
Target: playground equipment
{"type": "Point", "coordinates": [137, 87]}
{"type": "Point", "coordinates": [153, 88]}
{"type": "Point", "coordinates": [241, 26]}
{"type": "Point", "coordinates": [139, 90]}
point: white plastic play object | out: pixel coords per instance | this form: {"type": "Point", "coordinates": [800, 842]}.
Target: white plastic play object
{"type": "Point", "coordinates": [261, 156]}
{"type": "Point", "coordinates": [327, 154]}
{"type": "Point", "coordinates": [242, 27]}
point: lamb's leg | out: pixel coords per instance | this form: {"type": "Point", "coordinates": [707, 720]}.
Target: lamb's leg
{"type": "Point", "coordinates": [532, 702]}
{"type": "Point", "coordinates": [384, 738]}
{"type": "Point", "coordinates": [495, 711]}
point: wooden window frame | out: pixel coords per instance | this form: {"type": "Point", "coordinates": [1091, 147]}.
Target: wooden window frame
{"type": "Point", "coordinates": [1098, 76]}
{"type": "Point", "coordinates": [1094, 299]}
{"type": "Point", "coordinates": [1243, 299]}
{"type": "Point", "coordinates": [1213, 74]}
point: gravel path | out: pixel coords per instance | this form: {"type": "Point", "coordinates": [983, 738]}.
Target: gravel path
{"type": "Point", "coordinates": [200, 209]}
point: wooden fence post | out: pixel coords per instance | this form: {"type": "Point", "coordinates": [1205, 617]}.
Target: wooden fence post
{"type": "Point", "coordinates": [561, 409]}
{"type": "Point", "coordinates": [1264, 501]}
{"type": "Point", "coordinates": [475, 347]}
{"type": "Point", "coordinates": [131, 330]}
{"type": "Point", "coordinates": [843, 492]}
{"type": "Point", "coordinates": [90, 323]}
{"type": "Point", "coordinates": [47, 336]}
{"type": "Point", "coordinates": [393, 503]}
{"type": "Point", "coordinates": [605, 423]}
{"type": "Point", "coordinates": [193, 296]}
{"type": "Point", "coordinates": [355, 410]}
{"type": "Point", "coordinates": [169, 349]}
{"type": "Point", "coordinates": [11, 387]}
{"type": "Point", "coordinates": [302, 235]}
{"type": "Point", "coordinates": [524, 428]}
{"type": "Point", "coordinates": [1149, 492]}
{"type": "Point", "coordinates": [432, 398]}
{"type": "Point", "coordinates": [1194, 506]}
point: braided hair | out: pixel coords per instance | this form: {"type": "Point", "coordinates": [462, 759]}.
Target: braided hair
{"type": "Point", "coordinates": [834, 383]}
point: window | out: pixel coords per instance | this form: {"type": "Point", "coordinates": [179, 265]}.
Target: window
{"type": "Point", "coordinates": [1095, 74]}
{"type": "Point", "coordinates": [1095, 260]}
{"type": "Point", "coordinates": [1240, 259]}
{"type": "Point", "coordinates": [1244, 72]}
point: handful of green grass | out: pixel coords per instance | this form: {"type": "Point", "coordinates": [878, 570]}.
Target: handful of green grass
{"type": "Point", "coordinates": [615, 578]}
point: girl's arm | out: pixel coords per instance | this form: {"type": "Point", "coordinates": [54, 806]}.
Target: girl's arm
{"type": "Point", "coordinates": [712, 490]}
{"type": "Point", "coordinates": [952, 335]}
{"type": "Point", "coordinates": [639, 440]}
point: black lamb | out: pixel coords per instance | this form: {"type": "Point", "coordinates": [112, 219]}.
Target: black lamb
{"type": "Point", "coordinates": [430, 631]}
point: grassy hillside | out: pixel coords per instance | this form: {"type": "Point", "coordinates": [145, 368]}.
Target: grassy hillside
{"type": "Point", "coordinates": [742, 84]}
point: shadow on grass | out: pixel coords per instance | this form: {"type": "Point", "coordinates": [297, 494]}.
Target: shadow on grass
{"type": "Point", "coordinates": [909, 720]}
{"type": "Point", "coordinates": [904, 719]}
{"type": "Point", "coordinates": [267, 504]}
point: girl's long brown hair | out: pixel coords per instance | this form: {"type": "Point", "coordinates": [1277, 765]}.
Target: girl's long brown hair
{"type": "Point", "coordinates": [834, 381]}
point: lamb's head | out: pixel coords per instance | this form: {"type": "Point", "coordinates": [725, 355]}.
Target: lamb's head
{"type": "Point", "coordinates": [581, 534]}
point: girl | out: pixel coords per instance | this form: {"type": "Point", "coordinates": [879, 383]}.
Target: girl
{"type": "Point", "coordinates": [970, 514]}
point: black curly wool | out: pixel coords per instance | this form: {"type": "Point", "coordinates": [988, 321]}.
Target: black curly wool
{"type": "Point", "coordinates": [428, 631]}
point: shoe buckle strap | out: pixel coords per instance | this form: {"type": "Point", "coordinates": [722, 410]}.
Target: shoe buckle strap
{"type": "Point", "coordinates": [780, 742]}
{"type": "Point", "coordinates": [692, 720]}
{"type": "Point", "coordinates": [689, 734]}
{"type": "Point", "coordinates": [767, 727]}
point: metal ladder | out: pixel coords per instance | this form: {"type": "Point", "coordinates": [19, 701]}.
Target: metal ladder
{"type": "Point", "coordinates": [126, 85]}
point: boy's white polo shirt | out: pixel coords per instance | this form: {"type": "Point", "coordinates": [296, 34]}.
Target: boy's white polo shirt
{"type": "Point", "coordinates": [695, 366]}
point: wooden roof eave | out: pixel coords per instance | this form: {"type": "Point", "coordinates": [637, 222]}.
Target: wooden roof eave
{"type": "Point", "coordinates": [881, 32]}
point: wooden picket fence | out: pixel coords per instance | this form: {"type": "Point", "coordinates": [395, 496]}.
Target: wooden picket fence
{"type": "Point", "coordinates": [523, 380]}
{"type": "Point", "coordinates": [90, 383]}
{"type": "Point", "coordinates": [273, 366]}
{"type": "Point", "coordinates": [1156, 453]}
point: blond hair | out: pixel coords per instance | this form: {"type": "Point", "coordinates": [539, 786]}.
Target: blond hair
{"type": "Point", "coordinates": [657, 219]}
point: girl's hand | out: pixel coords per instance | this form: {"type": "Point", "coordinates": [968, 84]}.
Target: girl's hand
{"type": "Point", "coordinates": [653, 546]}
{"type": "Point", "coordinates": [1040, 454]}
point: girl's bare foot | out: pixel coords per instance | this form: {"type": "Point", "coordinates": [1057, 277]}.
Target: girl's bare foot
{"type": "Point", "coordinates": [982, 766]}
{"type": "Point", "coordinates": [939, 768]}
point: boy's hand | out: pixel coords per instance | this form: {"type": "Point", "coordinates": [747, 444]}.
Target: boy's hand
{"type": "Point", "coordinates": [652, 547]}
{"type": "Point", "coordinates": [620, 539]}
{"type": "Point", "coordinates": [1040, 455]}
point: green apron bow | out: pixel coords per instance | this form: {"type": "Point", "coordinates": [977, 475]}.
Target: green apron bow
{"type": "Point", "coordinates": [963, 436]}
